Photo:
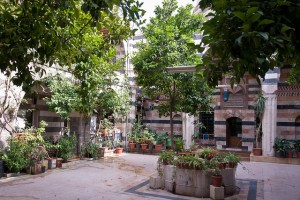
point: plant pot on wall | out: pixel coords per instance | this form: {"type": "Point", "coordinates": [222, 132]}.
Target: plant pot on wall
{"type": "Point", "coordinates": [216, 180]}
{"type": "Point", "coordinates": [257, 151]}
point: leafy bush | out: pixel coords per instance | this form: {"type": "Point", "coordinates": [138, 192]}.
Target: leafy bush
{"type": "Point", "coordinates": [91, 150]}
{"type": "Point", "coordinates": [65, 147]}
{"type": "Point", "coordinates": [17, 155]}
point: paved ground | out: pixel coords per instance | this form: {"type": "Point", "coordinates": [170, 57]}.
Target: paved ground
{"type": "Point", "coordinates": [126, 177]}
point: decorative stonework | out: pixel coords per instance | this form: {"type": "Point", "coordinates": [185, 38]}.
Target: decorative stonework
{"type": "Point", "coordinates": [289, 90]}
{"type": "Point", "coordinates": [234, 113]}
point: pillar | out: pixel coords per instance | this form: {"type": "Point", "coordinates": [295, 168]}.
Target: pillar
{"type": "Point", "coordinates": [269, 122]}
{"type": "Point", "coordinates": [187, 129]}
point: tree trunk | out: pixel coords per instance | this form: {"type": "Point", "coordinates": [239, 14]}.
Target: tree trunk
{"type": "Point", "coordinates": [171, 124]}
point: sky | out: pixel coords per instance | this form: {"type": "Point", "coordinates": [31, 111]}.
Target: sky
{"type": "Point", "coordinates": [149, 6]}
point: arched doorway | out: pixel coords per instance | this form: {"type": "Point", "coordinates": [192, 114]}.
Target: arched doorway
{"type": "Point", "coordinates": [233, 132]}
{"type": "Point", "coordinates": [297, 128]}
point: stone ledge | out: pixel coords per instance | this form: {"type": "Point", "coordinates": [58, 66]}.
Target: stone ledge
{"type": "Point", "coordinates": [270, 159]}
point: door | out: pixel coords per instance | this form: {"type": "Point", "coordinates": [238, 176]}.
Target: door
{"type": "Point", "coordinates": [234, 132]}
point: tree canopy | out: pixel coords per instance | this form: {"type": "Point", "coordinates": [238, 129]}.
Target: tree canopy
{"type": "Point", "coordinates": [167, 44]}
{"type": "Point", "coordinates": [39, 33]}
{"type": "Point", "coordinates": [250, 36]}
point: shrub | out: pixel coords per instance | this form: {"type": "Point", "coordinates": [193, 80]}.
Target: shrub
{"type": "Point", "coordinates": [65, 147]}
{"type": "Point", "coordinates": [17, 155]}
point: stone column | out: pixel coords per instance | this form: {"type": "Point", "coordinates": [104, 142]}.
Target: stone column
{"type": "Point", "coordinates": [187, 129]}
{"type": "Point", "coordinates": [269, 122]}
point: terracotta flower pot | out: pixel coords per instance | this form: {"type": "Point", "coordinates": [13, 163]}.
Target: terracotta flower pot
{"type": "Point", "coordinates": [59, 162]}
{"type": "Point", "coordinates": [131, 146]}
{"type": "Point", "coordinates": [119, 150]}
{"type": "Point", "coordinates": [144, 146]}
{"type": "Point", "coordinates": [158, 147]}
{"type": "Point", "coordinates": [257, 151]}
{"type": "Point", "coordinates": [217, 180]}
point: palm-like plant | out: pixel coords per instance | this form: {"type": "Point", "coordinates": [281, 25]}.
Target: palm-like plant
{"type": "Point", "coordinates": [259, 108]}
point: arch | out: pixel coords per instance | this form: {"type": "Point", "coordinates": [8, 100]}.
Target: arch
{"type": "Point", "coordinates": [177, 117]}
{"type": "Point", "coordinates": [297, 128]}
{"type": "Point", "coordinates": [233, 132]}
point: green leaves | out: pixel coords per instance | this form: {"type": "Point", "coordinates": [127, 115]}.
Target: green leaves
{"type": "Point", "coordinates": [36, 33]}
{"type": "Point", "coordinates": [250, 36]}
{"type": "Point", "coordinates": [169, 37]}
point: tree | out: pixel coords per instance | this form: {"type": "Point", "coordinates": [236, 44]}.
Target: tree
{"type": "Point", "coordinates": [36, 34]}
{"type": "Point", "coordinates": [63, 95]}
{"type": "Point", "coordinates": [250, 36]}
{"type": "Point", "coordinates": [168, 35]}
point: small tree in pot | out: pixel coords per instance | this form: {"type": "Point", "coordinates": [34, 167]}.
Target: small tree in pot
{"type": "Point", "coordinates": [259, 112]}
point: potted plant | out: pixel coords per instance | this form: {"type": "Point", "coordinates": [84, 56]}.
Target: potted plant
{"type": "Point", "coordinates": [161, 142]}
{"type": "Point", "coordinates": [65, 147]}
{"type": "Point", "coordinates": [143, 140]}
{"type": "Point", "coordinates": [297, 148]}
{"type": "Point", "coordinates": [151, 141]}
{"type": "Point", "coordinates": [220, 160]}
{"type": "Point", "coordinates": [290, 148]}
{"type": "Point", "coordinates": [215, 172]}
{"type": "Point", "coordinates": [119, 147]}
{"type": "Point", "coordinates": [259, 108]}
{"type": "Point", "coordinates": [232, 159]}
{"type": "Point", "coordinates": [92, 150]}
{"type": "Point", "coordinates": [17, 155]}
{"type": "Point", "coordinates": [106, 126]}
{"type": "Point", "coordinates": [280, 147]}
{"type": "Point", "coordinates": [190, 161]}
{"type": "Point", "coordinates": [207, 153]}
{"type": "Point", "coordinates": [165, 158]}
{"type": "Point", "coordinates": [179, 143]}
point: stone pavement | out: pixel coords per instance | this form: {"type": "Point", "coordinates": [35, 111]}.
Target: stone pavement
{"type": "Point", "coordinates": [127, 177]}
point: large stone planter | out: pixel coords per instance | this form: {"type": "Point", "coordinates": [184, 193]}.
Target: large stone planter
{"type": "Point", "coordinates": [169, 178]}
{"type": "Point", "coordinates": [195, 183]}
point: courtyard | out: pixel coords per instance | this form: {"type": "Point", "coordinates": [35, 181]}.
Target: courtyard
{"type": "Point", "coordinates": [127, 177]}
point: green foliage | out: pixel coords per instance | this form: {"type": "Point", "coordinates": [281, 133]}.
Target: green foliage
{"type": "Point", "coordinates": [35, 34]}
{"type": "Point", "coordinates": [168, 36]}
{"type": "Point", "coordinates": [17, 155]}
{"type": "Point", "coordinates": [91, 150]}
{"type": "Point", "coordinates": [65, 147]}
{"type": "Point", "coordinates": [63, 96]}
{"type": "Point", "coordinates": [207, 152]}
{"type": "Point", "coordinates": [259, 108]}
{"type": "Point", "coordinates": [232, 158]}
{"type": "Point", "coordinates": [249, 36]}
{"type": "Point", "coordinates": [106, 124]}
{"type": "Point", "coordinates": [294, 77]}
{"type": "Point", "coordinates": [297, 146]}
{"type": "Point", "coordinates": [190, 161]}
{"type": "Point", "coordinates": [179, 143]}
{"type": "Point", "coordinates": [281, 145]}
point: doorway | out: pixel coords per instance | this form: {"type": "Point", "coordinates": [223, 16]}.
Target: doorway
{"type": "Point", "coordinates": [234, 132]}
